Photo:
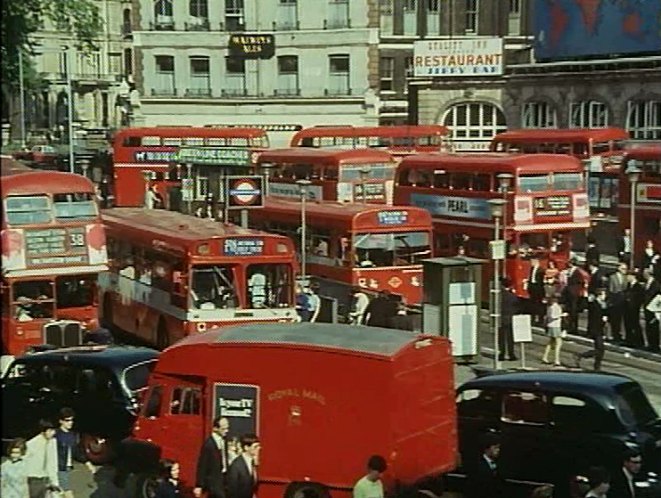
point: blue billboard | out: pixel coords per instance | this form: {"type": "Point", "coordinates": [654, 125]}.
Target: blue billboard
{"type": "Point", "coordinates": [566, 29]}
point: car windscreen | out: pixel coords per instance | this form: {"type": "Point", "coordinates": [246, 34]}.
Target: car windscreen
{"type": "Point", "coordinates": [136, 376]}
{"type": "Point", "coordinates": [633, 406]}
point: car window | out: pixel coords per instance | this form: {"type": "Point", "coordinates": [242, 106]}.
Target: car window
{"type": "Point", "coordinates": [520, 407]}
{"type": "Point", "coordinates": [153, 404]}
{"type": "Point", "coordinates": [136, 376]}
{"type": "Point", "coordinates": [98, 383]}
{"type": "Point", "coordinates": [478, 403]}
{"type": "Point", "coordinates": [578, 415]}
{"type": "Point", "coordinates": [185, 401]}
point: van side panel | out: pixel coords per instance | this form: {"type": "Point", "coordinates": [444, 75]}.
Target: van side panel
{"type": "Point", "coordinates": [321, 414]}
{"type": "Point", "coordinates": [424, 410]}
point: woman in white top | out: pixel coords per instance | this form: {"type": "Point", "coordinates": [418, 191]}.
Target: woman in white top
{"type": "Point", "coordinates": [554, 314]}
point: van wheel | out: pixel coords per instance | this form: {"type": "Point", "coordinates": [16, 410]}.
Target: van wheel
{"type": "Point", "coordinates": [97, 450]}
{"type": "Point", "coordinates": [161, 335]}
{"type": "Point", "coordinates": [145, 486]}
{"type": "Point", "coordinates": [306, 490]}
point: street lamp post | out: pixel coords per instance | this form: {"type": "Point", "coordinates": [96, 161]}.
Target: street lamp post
{"type": "Point", "coordinates": [364, 171]}
{"type": "Point", "coordinates": [69, 106]}
{"type": "Point", "coordinates": [497, 254]}
{"type": "Point", "coordinates": [21, 84]}
{"type": "Point", "coordinates": [633, 173]}
{"type": "Point", "coordinates": [504, 182]}
{"type": "Point", "coordinates": [303, 189]}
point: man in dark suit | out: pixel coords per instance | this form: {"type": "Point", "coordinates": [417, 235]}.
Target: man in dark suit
{"type": "Point", "coordinates": [484, 480]}
{"type": "Point", "coordinates": [597, 278]}
{"type": "Point", "coordinates": [634, 295]}
{"type": "Point", "coordinates": [509, 307]}
{"type": "Point", "coordinates": [622, 481]}
{"type": "Point", "coordinates": [592, 253]}
{"type": "Point", "coordinates": [535, 287]}
{"type": "Point", "coordinates": [573, 295]}
{"type": "Point", "coordinates": [242, 474]}
{"type": "Point", "coordinates": [652, 288]}
{"type": "Point", "coordinates": [617, 284]}
{"type": "Point", "coordinates": [381, 310]}
{"type": "Point", "coordinates": [212, 462]}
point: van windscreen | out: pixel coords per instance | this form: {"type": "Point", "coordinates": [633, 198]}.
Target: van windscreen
{"type": "Point", "coordinates": [633, 406]}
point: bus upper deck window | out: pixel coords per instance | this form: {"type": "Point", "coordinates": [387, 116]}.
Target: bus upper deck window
{"type": "Point", "coordinates": [132, 142]}
{"type": "Point", "coordinates": [151, 141]}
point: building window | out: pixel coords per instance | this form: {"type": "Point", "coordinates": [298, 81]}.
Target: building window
{"type": "Point", "coordinates": [338, 75]}
{"type": "Point", "coordinates": [474, 124]}
{"type": "Point", "coordinates": [588, 114]}
{"type": "Point", "coordinates": [163, 15]}
{"type": "Point", "coordinates": [234, 20]}
{"type": "Point", "coordinates": [387, 73]}
{"type": "Point", "coordinates": [471, 16]}
{"type": "Point", "coordinates": [198, 15]}
{"type": "Point", "coordinates": [164, 83]}
{"type": "Point", "coordinates": [287, 16]}
{"type": "Point", "coordinates": [287, 75]}
{"type": "Point", "coordinates": [410, 17]}
{"type": "Point", "coordinates": [433, 17]}
{"type": "Point", "coordinates": [514, 18]}
{"type": "Point", "coordinates": [386, 13]}
{"type": "Point", "coordinates": [644, 119]}
{"type": "Point", "coordinates": [538, 115]}
{"type": "Point", "coordinates": [200, 83]}
{"type": "Point", "coordinates": [338, 14]}
{"type": "Point", "coordinates": [235, 76]}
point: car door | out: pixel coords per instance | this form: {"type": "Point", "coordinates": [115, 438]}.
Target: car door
{"type": "Point", "coordinates": [99, 401]}
{"type": "Point", "coordinates": [478, 413]}
{"type": "Point", "coordinates": [524, 429]}
{"type": "Point", "coordinates": [27, 395]}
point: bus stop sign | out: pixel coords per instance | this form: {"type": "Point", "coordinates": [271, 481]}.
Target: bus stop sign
{"type": "Point", "coordinates": [245, 192]}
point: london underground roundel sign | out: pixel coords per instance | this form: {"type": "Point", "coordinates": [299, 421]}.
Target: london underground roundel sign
{"type": "Point", "coordinates": [245, 192]}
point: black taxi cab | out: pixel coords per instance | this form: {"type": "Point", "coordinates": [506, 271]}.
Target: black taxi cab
{"type": "Point", "coordinates": [555, 424]}
{"type": "Point", "coordinates": [101, 383]}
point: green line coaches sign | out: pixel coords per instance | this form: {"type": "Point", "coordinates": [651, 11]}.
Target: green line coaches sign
{"type": "Point", "coordinates": [251, 46]}
{"type": "Point", "coordinates": [214, 155]}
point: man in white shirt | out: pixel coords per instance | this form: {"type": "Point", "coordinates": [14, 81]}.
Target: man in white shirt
{"type": "Point", "coordinates": [314, 301]}
{"type": "Point", "coordinates": [41, 461]}
{"type": "Point", "coordinates": [242, 474]}
{"type": "Point", "coordinates": [370, 485]}
{"type": "Point", "coordinates": [359, 304]}
{"type": "Point", "coordinates": [257, 286]}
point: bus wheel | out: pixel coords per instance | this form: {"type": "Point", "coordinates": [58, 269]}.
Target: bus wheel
{"type": "Point", "coordinates": [145, 486]}
{"type": "Point", "coordinates": [97, 449]}
{"type": "Point", "coordinates": [306, 490]}
{"type": "Point", "coordinates": [161, 335]}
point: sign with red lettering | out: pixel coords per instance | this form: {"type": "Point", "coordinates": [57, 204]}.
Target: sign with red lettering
{"type": "Point", "coordinates": [457, 57]}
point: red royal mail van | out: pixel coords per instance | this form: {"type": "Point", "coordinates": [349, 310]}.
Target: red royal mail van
{"type": "Point", "coordinates": [322, 398]}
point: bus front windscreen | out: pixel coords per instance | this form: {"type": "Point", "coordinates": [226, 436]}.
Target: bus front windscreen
{"type": "Point", "coordinates": [391, 249]}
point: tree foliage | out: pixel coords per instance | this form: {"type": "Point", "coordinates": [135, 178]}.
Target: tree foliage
{"type": "Point", "coordinates": [22, 18]}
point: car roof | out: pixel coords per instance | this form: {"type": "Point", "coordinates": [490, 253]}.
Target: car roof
{"type": "Point", "coordinates": [565, 381]}
{"type": "Point", "coordinates": [114, 357]}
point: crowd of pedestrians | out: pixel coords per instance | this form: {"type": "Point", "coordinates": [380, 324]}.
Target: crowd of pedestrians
{"type": "Point", "coordinates": [622, 307]}
{"type": "Point", "coordinates": [42, 466]}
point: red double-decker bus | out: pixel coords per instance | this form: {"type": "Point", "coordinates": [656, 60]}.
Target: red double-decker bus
{"type": "Point", "coordinates": [398, 140]}
{"type": "Point", "coordinates": [172, 275]}
{"type": "Point", "coordinates": [53, 248]}
{"type": "Point", "coordinates": [600, 149]}
{"type": "Point", "coordinates": [357, 175]}
{"type": "Point", "coordinates": [545, 204]}
{"type": "Point", "coordinates": [647, 209]}
{"type": "Point", "coordinates": [373, 247]}
{"type": "Point", "coordinates": [143, 157]}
